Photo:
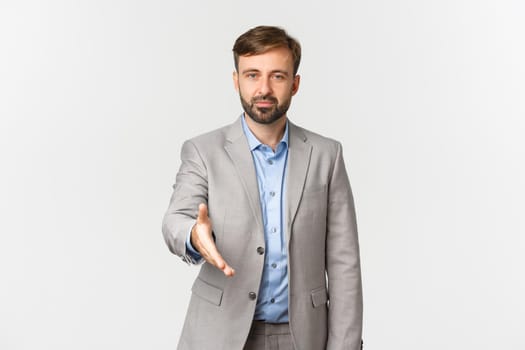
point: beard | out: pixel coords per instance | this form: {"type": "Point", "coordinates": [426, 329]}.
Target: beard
{"type": "Point", "coordinates": [265, 115]}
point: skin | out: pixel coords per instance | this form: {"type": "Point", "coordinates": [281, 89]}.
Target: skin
{"type": "Point", "coordinates": [265, 84]}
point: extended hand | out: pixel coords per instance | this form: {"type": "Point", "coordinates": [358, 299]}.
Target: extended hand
{"type": "Point", "coordinates": [202, 240]}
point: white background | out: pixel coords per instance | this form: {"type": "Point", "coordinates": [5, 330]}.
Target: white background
{"type": "Point", "coordinates": [96, 98]}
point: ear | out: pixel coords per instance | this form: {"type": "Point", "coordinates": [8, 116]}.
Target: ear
{"type": "Point", "coordinates": [236, 80]}
{"type": "Point", "coordinates": [295, 84]}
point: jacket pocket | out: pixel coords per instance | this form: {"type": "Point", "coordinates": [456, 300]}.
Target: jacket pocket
{"type": "Point", "coordinates": [314, 190]}
{"type": "Point", "coordinates": [319, 296]}
{"type": "Point", "coordinates": [207, 291]}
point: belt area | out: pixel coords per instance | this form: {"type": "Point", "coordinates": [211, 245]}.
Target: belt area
{"type": "Point", "coordinates": [264, 328]}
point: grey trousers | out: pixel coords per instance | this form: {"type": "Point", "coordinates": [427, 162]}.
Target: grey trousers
{"type": "Point", "coordinates": [269, 336]}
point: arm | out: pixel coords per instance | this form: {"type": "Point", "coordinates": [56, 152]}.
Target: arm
{"type": "Point", "coordinates": [190, 189]}
{"type": "Point", "coordinates": [343, 264]}
{"type": "Point", "coordinates": [186, 223]}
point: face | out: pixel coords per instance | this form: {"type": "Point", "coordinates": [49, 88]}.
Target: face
{"type": "Point", "coordinates": [266, 84]}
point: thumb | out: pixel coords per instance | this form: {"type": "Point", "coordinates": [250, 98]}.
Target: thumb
{"type": "Point", "coordinates": [203, 213]}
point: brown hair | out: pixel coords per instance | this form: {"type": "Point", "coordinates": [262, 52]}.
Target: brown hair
{"type": "Point", "coordinates": [260, 39]}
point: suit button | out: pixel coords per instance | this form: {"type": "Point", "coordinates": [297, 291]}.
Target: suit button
{"type": "Point", "coordinates": [252, 295]}
{"type": "Point", "coordinates": [260, 250]}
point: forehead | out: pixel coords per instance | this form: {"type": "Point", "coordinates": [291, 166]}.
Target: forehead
{"type": "Point", "coordinates": [279, 58]}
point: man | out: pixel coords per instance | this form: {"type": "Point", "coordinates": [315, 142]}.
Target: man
{"type": "Point", "coordinates": [267, 206]}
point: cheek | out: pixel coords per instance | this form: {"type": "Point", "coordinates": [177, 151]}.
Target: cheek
{"type": "Point", "coordinates": [245, 91]}
{"type": "Point", "coordinates": [244, 96]}
{"type": "Point", "coordinates": [285, 94]}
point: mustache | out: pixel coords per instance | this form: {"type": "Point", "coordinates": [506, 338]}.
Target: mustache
{"type": "Point", "coordinates": [264, 98]}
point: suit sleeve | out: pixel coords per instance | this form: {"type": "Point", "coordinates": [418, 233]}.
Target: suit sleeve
{"type": "Point", "coordinates": [345, 313]}
{"type": "Point", "coordinates": [190, 189]}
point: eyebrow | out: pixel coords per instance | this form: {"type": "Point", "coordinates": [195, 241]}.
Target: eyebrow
{"type": "Point", "coordinates": [253, 70]}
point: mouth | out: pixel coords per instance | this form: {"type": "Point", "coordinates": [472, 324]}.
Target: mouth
{"type": "Point", "coordinates": [264, 104]}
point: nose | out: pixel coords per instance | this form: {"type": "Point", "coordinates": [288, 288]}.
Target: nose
{"type": "Point", "coordinates": [265, 87]}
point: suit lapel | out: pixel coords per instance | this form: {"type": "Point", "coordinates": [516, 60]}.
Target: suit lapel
{"type": "Point", "coordinates": [299, 151]}
{"type": "Point", "coordinates": [239, 151]}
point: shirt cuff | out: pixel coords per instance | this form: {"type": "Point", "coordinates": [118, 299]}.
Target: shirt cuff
{"type": "Point", "coordinates": [193, 255]}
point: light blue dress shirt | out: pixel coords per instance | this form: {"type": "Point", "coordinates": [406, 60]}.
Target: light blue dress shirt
{"type": "Point", "coordinates": [270, 167]}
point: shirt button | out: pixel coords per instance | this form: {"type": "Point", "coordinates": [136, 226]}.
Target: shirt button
{"type": "Point", "coordinates": [260, 250]}
{"type": "Point", "coordinates": [274, 265]}
{"type": "Point", "coordinates": [272, 193]}
{"type": "Point", "coordinates": [270, 161]}
{"type": "Point", "coordinates": [273, 230]}
{"type": "Point", "coordinates": [252, 295]}
{"type": "Point", "coordinates": [272, 300]}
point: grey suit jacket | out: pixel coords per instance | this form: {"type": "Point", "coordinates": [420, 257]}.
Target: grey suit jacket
{"type": "Point", "coordinates": [325, 294]}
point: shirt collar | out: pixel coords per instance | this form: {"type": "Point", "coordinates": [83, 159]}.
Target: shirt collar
{"type": "Point", "coordinates": [253, 142]}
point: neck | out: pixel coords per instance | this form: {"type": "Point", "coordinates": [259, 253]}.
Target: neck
{"type": "Point", "coordinates": [268, 134]}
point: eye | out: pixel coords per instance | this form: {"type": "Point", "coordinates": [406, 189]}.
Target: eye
{"type": "Point", "coordinates": [279, 77]}
{"type": "Point", "coordinates": [251, 75]}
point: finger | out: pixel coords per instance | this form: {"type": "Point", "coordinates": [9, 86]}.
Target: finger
{"type": "Point", "coordinates": [222, 265]}
{"type": "Point", "coordinates": [213, 256]}
{"type": "Point", "coordinates": [203, 213]}
{"type": "Point", "coordinates": [228, 271]}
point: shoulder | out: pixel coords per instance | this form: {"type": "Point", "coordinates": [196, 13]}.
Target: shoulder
{"type": "Point", "coordinates": [215, 138]}
{"type": "Point", "coordinates": [212, 136]}
{"type": "Point", "coordinates": [318, 141]}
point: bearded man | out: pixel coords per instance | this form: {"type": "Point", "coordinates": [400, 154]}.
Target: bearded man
{"type": "Point", "coordinates": [266, 207]}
